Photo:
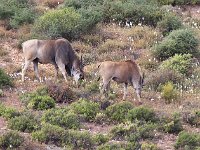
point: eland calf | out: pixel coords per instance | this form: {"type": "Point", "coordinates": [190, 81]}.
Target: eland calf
{"type": "Point", "coordinates": [57, 52]}
{"type": "Point", "coordinates": [127, 72]}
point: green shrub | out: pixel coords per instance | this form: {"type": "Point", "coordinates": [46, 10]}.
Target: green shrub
{"type": "Point", "coordinates": [172, 125]}
{"type": "Point", "coordinates": [180, 63]}
{"type": "Point", "coordinates": [169, 93]}
{"type": "Point", "coordinates": [18, 11]}
{"type": "Point", "coordinates": [5, 80]}
{"type": "Point", "coordinates": [25, 15]}
{"type": "Point", "coordinates": [178, 2]}
{"type": "Point", "coordinates": [136, 11]}
{"type": "Point", "coordinates": [194, 119]}
{"type": "Point", "coordinates": [26, 97]}
{"type": "Point", "coordinates": [86, 108]}
{"type": "Point", "coordinates": [41, 102]}
{"type": "Point", "coordinates": [132, 132]}
{"type": "Point", "coordinates": [119, 146]}
{"type": "Point", "coordinates": [8, 112]}
{"type": "Point", "coordinates": [182, 41]}
{"type": "Point", "coordinates": [159, 77]}
{"type": "Point", "coordinates": [61, 117]}
{"type": "Point", "coordinates": [93, 87]}
{"type": "Point", "coordinates": [100, 139]}
{"type": "Point", "coordinates": [79, 139]}
{"type": "Point", "coordinates": [169, 22]}
{"type": "Point", "coordinates": [57, 23]}
{"type": "Point", "coordinates": [101, 118]}
{"type": "Point", "coordinates": [187, 140]}
{"type": "Point", "coordinates": [118, 111]}
{"type": "Point", "coordinates": [142, 114]}
{"type": "Point", "coordinates": [49, 133]}
{"type": "Point", "coordinates": [149, 146]}
{"type": "Point", "coordinates": [11, 139]}
{"type": "Point", "coordinates": [24, 123]}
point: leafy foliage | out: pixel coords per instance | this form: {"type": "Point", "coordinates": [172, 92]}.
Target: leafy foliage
{"type": "Point", "coordinates": [61, 117]}
{"type": "Point", "coordinates": [182, 41]}
{"type": "Point", "coordinates": [24, 123]}
{"type": "Point", "coordinates": [41, 102]}
{"type": "Point", "coordinates": [5, 80]}
{"type": "Point", "coordinates": [49, 133]}
{"type": "Point", "coordinates": [58, 23]}
{"type": "Point", "coordinates": [169, 93]}
{"type": "Point", "coordinates": [142, 114]}
{"type": "Point", "coordinates": [118, 111]}
{"type": "Point", "coordinates": [85, 108]}
{"type": "Point", "coordinates": [18, 11]}
{"type": "Point", "coordinates": [8, 112]}
{"type": "Point", "coordinates": [172, 124]}
{"type": "Point", "coordinates": [187, 140]}
{"type": "Point", "coordinates": [169, 23]}
{"type": "Point", "coordinates": [11, 139]}
{"type": "Point", "coordinates": [179, 63]}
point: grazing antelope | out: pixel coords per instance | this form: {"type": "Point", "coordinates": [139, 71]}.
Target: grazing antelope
{"type": "Point", "coordinates": [57, 52]}
{"type": "Point", "coordinates": [127, 72]}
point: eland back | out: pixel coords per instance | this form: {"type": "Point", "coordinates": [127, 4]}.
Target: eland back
{"type": "Point", "coordinates": [57, 52]}
{"type": "Point", "coordinates": [127, 72]}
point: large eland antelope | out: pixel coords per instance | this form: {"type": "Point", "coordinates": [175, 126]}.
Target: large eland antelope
{"type": "Point", "coordinates": [57, 52]}
{"type": "Point", "coordinates": [127, 72]}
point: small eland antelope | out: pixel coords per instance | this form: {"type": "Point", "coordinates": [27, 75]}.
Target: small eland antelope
{"type": "Point", "coordinates": [127, 72]}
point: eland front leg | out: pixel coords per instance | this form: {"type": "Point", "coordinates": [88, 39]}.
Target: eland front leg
{"type": "Point", "coordinates": [27, 62]}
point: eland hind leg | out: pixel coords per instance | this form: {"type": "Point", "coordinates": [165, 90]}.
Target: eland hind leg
{"type": "Point", "coordinates": [125, 91]}
{"type": "Point", "coordinates": [27, 63]}
{"type": "Point", "coordinates": [35, 66]}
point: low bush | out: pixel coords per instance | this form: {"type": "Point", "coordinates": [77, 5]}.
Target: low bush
{"type": "Point", "coordinates": [178, 2]}
{"type": "Point", "coordinates": [194, 119]}
{"type": "Point", "coordinates": [93, 87]}
{"type": "Point", "coordinates": [79, 139]}
{"type": "Point", "coordinates": [149, 146]}
{"type": "Point", "coordinates": [24, 123]}
{"type": "Point", "coordinates": [133, 132]}
{"type": "Point", "coordinates": [5, 80]}
{"type": "Point", "coordinates": [182, 41]}
{"type": "Point", "coordinates": [60, 93]}
{"type": "Point", "coordinates": [179, 63]}
{"type": "Point", "coordinates": [41, 103]}
{"type": "Point", "coordinates": [17, 12]}
{"type": "Point", "coordinates": [119, 146]}
{"type": "Point", "coordinates": [26, 97]}
{"type": "Point", "coordinates": [101, 139]}
{"type": "Point", "coordinates": [142, 114]}
{"type": "Point", "coordinates": [169, 22]}
{"type": "Point", "coordinates": [160, 77]}
{"type": "Point", "coordinates": [86, 108]}
{"type": "Point", "coordinates": [61, 117]}
{"type": "Point", "coordinates": [187, 140]}
{"type": "Point", "coordinates": [169, 93]}
{"type": "Point", "coordinates": [172, 124]}
{"type": "Point", "coordinates": [101, 118]}
{"type": "Point", "coordinates": [8, 112]}
{"type": "Point", "coordinates": [11, 139]}
{"type": "Point", "coordinates": [118, 111]}
{"type": "Point", "coordinates": [49, 133]}
{"type": "Point", "coordinates": [57, 23]}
